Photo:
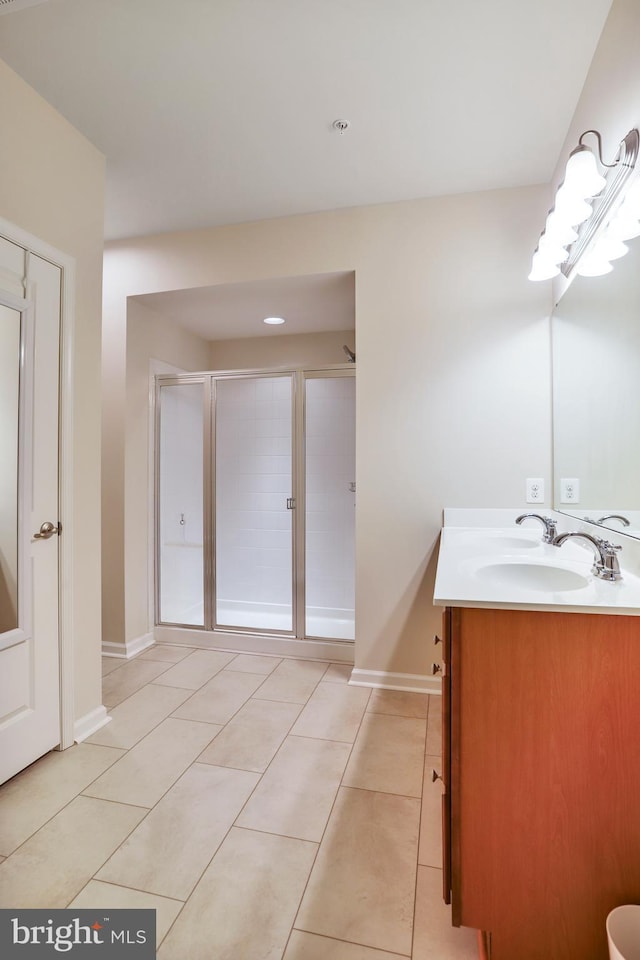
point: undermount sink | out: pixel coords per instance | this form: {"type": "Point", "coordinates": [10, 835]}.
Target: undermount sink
{"type": "Point", "coordinates": [500, 542]}
{"type": "Point", "coordinates": [545, 577]}
{"type": "Point", "coordinates": [513, 543]}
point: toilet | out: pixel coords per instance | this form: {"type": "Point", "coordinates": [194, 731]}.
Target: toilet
{"type": "Point", "coordinates": [623, 932]}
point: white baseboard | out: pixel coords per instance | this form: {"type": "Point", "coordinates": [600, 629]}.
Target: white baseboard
{"type": "Point", "coordinates": [337, 651]}
{"type": "Point", "coordinates": [408, 682]}
{"type": "Point", "coordinates": [130, 648]}
{"type": "Point", "coordinates": [91, 722]}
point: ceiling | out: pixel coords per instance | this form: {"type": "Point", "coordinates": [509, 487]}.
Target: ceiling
{"type": "Point", "coordinates": [220, 111]}
{"type": "Point", "coordinates": [313, 304]}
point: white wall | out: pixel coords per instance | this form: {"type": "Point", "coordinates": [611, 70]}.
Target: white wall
{"type": "Point", "coordinates": [610, 98]}
{"type": "Point", "coordinates": [52, 186]}
{"type": "Point", "coordinates": [295, 350]}
{"type": "Point", "coordinates": [453, 398]}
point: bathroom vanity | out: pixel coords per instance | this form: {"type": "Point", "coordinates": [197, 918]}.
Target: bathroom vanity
{"type": "Point", "coordinates": [541, 749]}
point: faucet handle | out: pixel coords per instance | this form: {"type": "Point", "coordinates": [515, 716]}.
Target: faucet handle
{"type": "Point", "coordinates": [609, 566]}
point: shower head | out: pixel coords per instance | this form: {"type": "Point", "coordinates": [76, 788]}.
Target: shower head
{"type": "Point", "coordinates": [351, 357]}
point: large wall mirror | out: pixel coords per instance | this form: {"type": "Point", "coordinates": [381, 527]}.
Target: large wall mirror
{"type": "Point", "coordinates": [596, 402]}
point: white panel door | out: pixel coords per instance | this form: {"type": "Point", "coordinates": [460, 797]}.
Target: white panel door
{"type": "Point", "coordinates": [29, 652]}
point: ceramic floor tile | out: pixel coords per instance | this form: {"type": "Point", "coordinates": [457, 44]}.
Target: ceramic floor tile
{"type": "Point", "coordinates": [309, 946]}
{"type": "Point", "coordinates": [434, 727]}
{"type": "Point", "coordinates": [430, 849]}
{"type": "Point", "coordinates": [388, 755]}
{"type": "Point", "coordinates": [434, 937]}
{"type": "Point", "coordinates": [244, 905]}
{"type": "Point", "coordinates": [251, 739]}
{"type": "Point", "coordinates": [167, 853]}
{"type": "Point", "coordinates": [124, 681]}
{"type": "Point", "coordinates": [220, 698]}
{"type": "Point", "coordinates": [362, 885]}
{"type": "Point", "coordinates": [292, 681]}
{"type": "Point", "coordinates": [195, 669]}
{"type": "Point", "coordinates": [295, 796]}
{"type": "Point", "coordinates": [109, 664]}
{"type": "Point", "coordinates": [333, 712]}
{"type": "Point", "coordinates": [50, 868]}
{"type": "Point", "coordinates": [338, 672]}
{"type": "Point", "coordinates": [138, 715]}
{"type": "Point", "coordinates": [249, 663]}
{"type": "Point", "coordinates": [398, 703]}
{"type": "Point", "coordinates": [164, 651]}
{"type": "Point", "coordinates": [147, 771]}
{"type": "Point", "coordinates": [35, 795]}
{"type": "Point", "coordinates": [106, 896]}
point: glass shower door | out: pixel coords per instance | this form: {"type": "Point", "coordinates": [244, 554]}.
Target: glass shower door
{"type": "Point", "coordinates": [180, 589]}
{"type": "Point", "coordinates": [330, 494]}
{"type": "Point", "coordinates": [254, 503]}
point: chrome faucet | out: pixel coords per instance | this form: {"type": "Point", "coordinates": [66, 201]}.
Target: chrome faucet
{"type": "Point", "coordinates": [606, 566]}
{"type": "Point", "coordinates": [615, 516]}
{"type": "Point", "coordinates": [550, 529]}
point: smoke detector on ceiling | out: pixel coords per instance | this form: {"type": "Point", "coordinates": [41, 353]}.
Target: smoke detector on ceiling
{"type": "Point", "coordinates": [12, 6]}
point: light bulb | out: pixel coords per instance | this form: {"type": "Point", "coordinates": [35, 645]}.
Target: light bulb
{"type": "Point", "coordinates": [582, 178]}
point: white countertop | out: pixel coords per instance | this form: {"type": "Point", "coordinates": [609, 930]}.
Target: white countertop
{"type": "Point", "coordinates": [476, 567]}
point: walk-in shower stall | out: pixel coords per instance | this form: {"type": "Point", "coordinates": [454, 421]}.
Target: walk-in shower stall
{"type": "Point", "coordinates": [255, 498]}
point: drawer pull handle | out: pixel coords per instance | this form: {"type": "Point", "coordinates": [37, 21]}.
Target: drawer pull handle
{"type": "Point", "coordinates": [436, 668]}
{"type": "Point", "coordinates": [435, 776]}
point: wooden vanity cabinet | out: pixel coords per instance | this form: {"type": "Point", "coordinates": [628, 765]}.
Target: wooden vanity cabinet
{"type": "Point", "coordinates": [541, 756]}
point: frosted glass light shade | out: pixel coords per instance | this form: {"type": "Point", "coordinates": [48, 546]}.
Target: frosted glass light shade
{"type": "Point", "coordinates": [610, 248]}
{"type": "Point", "coordinates": [558, 230]}
{"type": "Point", "coordinates": [552, 250]}
{"type": "Point", "coordinates": [593, 265]}
{"type": "Point", "coordinates": [582, 178]}
{"type": "Point", "coordinates": [572, 209]}
{"type": "Point", "coordinates": [624, 228]}
{"type": "Point", "coordinates": [542, 267]}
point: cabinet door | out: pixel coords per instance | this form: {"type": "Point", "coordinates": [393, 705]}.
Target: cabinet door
{"type": "Point", "coordinates": [446, 755]}
{"type": "Point", "coordinates": [546, 832]}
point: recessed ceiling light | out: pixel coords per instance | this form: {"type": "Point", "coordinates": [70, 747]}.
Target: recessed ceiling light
{"type": "Point", "coordinates": [273, 320]}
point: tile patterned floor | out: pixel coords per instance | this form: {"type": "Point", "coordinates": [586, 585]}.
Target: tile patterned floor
{"type": "Point", "coordinates": [291, 814]}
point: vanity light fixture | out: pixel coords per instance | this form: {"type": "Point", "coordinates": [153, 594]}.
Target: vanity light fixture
{"type": "Point", "coordinates": [274, 320]}
{"type": "Point", "coordinates": [591, 216]}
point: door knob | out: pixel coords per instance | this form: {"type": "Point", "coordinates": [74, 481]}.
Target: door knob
{"type": "Point", "coordinates": [47, 530]}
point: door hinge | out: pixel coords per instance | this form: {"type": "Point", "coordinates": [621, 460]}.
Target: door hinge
{"type": "Point", "coordinates": [291, 503]}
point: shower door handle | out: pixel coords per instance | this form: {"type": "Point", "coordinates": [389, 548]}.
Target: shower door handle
{"type": "Point", "coordinates": [291, 503]}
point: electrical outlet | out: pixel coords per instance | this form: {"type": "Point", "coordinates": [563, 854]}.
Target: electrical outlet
{"type": "Point", "coordinates": [569, 490]}
{"type": "Point", "coordinates": [535, 490]}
